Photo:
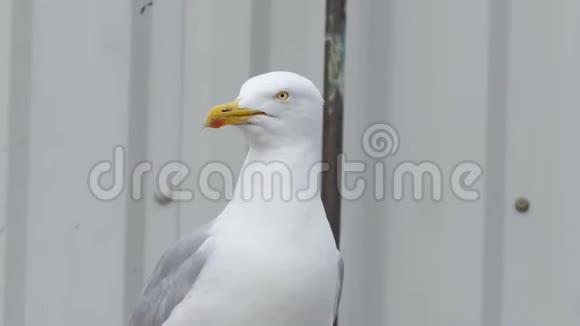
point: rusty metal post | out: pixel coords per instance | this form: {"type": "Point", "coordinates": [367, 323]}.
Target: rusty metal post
{"type": "Point", "coordinates": [333, 109]}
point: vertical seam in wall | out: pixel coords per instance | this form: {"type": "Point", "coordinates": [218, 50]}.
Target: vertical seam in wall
{"type": "Point", "coordinates": [137, 141]}
{"type": "Point", "coordinates": [260, 33]}
{"type": "Point", "coordinates": [18, 162]}
{"type": "Point", "coordinates": [498, 63]}
{"type": "Point", "coordinates": [181, 106]}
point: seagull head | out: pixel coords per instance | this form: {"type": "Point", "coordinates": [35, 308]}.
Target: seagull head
{"type": "Point", "coordinates": [276, 108]}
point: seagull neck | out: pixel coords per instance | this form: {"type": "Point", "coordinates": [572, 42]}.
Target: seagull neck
{"type": "Point", "coordinates": [280, 174]}
{"type": "Point", "coordinates": [295, 156]}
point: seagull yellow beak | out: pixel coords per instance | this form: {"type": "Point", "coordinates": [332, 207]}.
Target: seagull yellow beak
{"type": "Point", "coordinates": [229, 114]}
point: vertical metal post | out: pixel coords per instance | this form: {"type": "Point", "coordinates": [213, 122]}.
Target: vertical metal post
{"type": "Point", "coordinates": [333, 109]}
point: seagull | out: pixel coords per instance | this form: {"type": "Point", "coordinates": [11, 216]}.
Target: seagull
{"type": "Point", "coordinates": [269, 259]}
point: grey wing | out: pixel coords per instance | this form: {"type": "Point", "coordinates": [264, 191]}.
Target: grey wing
{"type": "Point", "coordinates": [339, 286]}
{"type": "Point", "coordinates": [172, 278]}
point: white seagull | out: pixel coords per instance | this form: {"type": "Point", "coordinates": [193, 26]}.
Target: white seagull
{"type": "Point", "coordinates": [269, 259]}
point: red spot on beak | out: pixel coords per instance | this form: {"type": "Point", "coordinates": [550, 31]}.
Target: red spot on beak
{"type": "Point", "coordinates": [216, 123]}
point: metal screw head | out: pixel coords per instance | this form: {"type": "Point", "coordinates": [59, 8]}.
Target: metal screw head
{"type": "Point", "coordinates": [522, 205]}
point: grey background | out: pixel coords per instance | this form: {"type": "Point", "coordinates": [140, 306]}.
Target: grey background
{"type": "Point", "coordinates": [491, 81]}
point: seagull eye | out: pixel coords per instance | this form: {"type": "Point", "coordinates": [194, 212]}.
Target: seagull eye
{"type": "Point", "coordinates": [282, 96]}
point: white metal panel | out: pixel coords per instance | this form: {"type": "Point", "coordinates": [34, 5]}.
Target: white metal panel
{"type": "Point", "coordinates": [17, 176]}
{"type": "Point", "coordinates": [165, 120]}
{"type": "Point", "coordinates": [362, 234]}
{"type": "Point", "coordinates": [542, 260]}
{"type": "Point", "coordinates": [427, 77]}
{"type": "Point", "coordinates": [438, 104]}
{"type": "Point", "coordinates": [79, 111]}
{"type": "Point", "coordinates": [136, 151]}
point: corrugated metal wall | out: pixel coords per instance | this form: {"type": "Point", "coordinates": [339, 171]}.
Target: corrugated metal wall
{"type": "Point", "coordinates": [489, 81]}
